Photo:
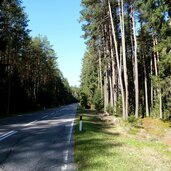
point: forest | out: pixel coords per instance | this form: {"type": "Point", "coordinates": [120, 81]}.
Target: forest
{"type": "Point", "coordinates": [126, 69]}
{"type": "Point", "coordinates": [30, 78]}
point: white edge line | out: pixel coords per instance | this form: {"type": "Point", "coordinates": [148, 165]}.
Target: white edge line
{"type": "Point", "coordinates": [44, 116]}
{"type": "Point", "coordinates": [8, 135]}
{"type": "Point", "coordinates": [66, 156]}
{"type": "Point", "coordinates": [30, 123]}
{"type": "Point", "coordinates": [64, 167]}
{"type": "Point", "coordinates": [5, 134]}
{"type": "Point", "coordinates": [70, 132]}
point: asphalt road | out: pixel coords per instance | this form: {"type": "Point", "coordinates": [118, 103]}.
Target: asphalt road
{"type": "Point", "coordinates": [40, 141]}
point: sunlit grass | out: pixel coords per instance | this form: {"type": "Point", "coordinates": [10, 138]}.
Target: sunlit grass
{"type": "Point", "coordinates": [102, 148]}
{"type": "Point", "coordinates": [155, 126]}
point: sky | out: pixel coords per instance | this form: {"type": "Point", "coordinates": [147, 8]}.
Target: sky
{"type": "Point", "coordinates": [59, 21]}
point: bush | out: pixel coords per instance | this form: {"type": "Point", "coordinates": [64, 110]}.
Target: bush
{"type": "Point", "coordinates": [110, 110]}
{"type": "Point", "coordinates": [132, 119]}
{"type": "Point", "coordinates": [83, 100]}
{"type": "Point", "coordinates": [118, 107]}
{"type": "Point", "coordinates": [155, 113]}
{"type": "Point", "coordinates": [98, 100]}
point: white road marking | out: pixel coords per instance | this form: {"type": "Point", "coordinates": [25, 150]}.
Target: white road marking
{"type": "Point", "coordinates": [66, 156]}
{"type": "Point", "coordinates": [52, 114]}
{"type": "Point", "coordinates": [64, 167]}
{"type": "Point", "coordinates": [30, 123]}
{"type": "Point", "coordinates": [8, 134]}
{"type": "Point", "coordinates": [44, 117]}
{"type": "Point", "coordinates": [70, 131]}
{"type": "Point", "coordinates": [5, 134]}
{"type": "Point", "coordinates": [66, 153]}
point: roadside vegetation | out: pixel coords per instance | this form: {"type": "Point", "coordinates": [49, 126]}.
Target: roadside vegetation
{"type": "Point", "coordinates": [126, 77]}
{"type": "Point", "coordinates": [109, 143]}
{"type": "Point", "coordinates": [126, 68]}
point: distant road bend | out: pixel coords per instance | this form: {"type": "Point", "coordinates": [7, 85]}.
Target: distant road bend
{"type": "Point", "coordinates": [40, 141]}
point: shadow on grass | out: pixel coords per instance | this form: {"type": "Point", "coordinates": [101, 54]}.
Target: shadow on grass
{"type": "Point", "coordinates": [87, 111]}
{"type": "Point", "coordinates": [94, 143]}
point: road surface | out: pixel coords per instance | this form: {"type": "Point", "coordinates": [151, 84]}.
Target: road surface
{"type": "Point", "coordinates": [40, 141]}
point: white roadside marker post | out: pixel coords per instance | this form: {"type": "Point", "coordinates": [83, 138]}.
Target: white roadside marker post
{"type": "Point", "coordinates": [81, 124]}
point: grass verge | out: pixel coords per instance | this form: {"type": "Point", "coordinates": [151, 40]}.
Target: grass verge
{"type": "Point", "coordinates": [100, 147]}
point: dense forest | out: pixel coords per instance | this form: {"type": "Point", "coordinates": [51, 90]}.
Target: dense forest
{"type": "Point", "coordinates": [29, 75]}
{"type": "Point", "coordinates": [126, 68]}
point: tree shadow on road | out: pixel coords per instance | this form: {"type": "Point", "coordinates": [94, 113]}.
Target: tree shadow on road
{"type": "Point", "coordinates": [37, 148]}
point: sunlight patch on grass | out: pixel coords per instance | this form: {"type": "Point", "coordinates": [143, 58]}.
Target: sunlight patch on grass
{"type": "Point", "coordinates": [155, 126]}
{"type": "Point", "coordinates": [102, 147]}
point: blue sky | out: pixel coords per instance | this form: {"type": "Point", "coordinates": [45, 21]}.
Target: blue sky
{"type": "Point", "coordinates": [58, 20]}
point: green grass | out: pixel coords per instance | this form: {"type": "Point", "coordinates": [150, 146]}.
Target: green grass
{"type": "Point", "coordinates": [99, 147]}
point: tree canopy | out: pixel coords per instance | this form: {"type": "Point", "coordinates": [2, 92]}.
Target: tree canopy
{"type": "Point", "coordinates": [29, 74]}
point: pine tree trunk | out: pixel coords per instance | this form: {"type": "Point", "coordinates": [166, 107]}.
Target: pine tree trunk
{"type": "Point", "coordinates": [160, 104]}
{"type": "Point", "coordinates": [135, 64]}
{"type": "Point", "coordinates": [156, 60]}
{"type": "Point", "coordinates": [117, 60]}
{"type": "Point", "coordinates": [9, 94]}
{"type": "Point", "coordinates": [106, 96]}
{"type": "Point", "coordinates": [159, 89]}
{"type": "Point", "coordinates": [100, 73]}
{"type": "Point", "coordinates": [151, 72]}
{"type": "Point", "coordinates": [121, 15]}
{"type": "Point", "coordinates": [111, 89]}
{"type": "Point", "coordinates": [113, 72]}
{"type": "Point", "coordinates": [98, 76]}
{"type": "Point", "coordinates": [109, 68]}
{"type": "Point", "coordinates": [146, 89]}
